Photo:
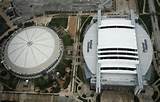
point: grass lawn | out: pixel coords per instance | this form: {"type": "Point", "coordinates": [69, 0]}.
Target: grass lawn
{"type": "Point", "coordinates": [59, 22]}
{"type": "Point", "coordinates": [67, 41]}
{"type": "Point", "coordinates": [140, 5]}
{"type": "Point", "coordinates": [86, 23]}
{"type": "Point", "coordinates": [147, 20]}
{"type": "Point", "coordinates": [80, 74]}
{"type": "Point", "coordinates": [11, 83]}
{"type": "Point", "coordinates": [157, 7]}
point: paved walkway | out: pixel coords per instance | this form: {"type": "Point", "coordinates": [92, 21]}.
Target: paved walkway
{"type": "Point", "coordinates": [44, 20]}
{"type": "Point", "coordinates": [8, 22]}
{"type": "Point", "coordinates": [6, 18]}
{"type": "Point", "coordinates": [147, 96]}
{"type": "Point", "coordinates": [123, 7]}
{"type": "Point", "coordinates": [115, 96]}
{"type": "Point", "coordinates": [156, 86]}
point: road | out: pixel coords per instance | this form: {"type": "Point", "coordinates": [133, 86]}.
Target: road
{"type": "Point", "coordinates": [155, 26]}
{"type": "Point", "coordinates": [15, 96]}
{"type": "Point", "coordinates": [156, 31]}
{"type": "Point", "coordinates": [30, 97]}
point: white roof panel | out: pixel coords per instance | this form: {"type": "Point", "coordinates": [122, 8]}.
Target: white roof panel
{"type": "Point", "coordinates": [117, 38]}
{"type": "Point", "coordinates": [116, 22]}
{"type": "Point", "coordinates": [118, 63]}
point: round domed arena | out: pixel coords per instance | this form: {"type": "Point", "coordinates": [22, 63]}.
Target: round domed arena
{"type": "Point", "coordinates": [32, 52]}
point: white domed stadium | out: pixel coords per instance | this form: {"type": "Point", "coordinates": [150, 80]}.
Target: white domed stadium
{"type": "Point", "coordinates": [32, 52]}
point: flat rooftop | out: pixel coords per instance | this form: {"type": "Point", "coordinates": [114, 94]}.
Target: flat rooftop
{"type": "Point", "coordinates": [123, 46]}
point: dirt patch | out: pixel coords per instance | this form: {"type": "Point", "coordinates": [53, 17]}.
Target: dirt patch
{"type": "Point", "coordinates": [72, 25]}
